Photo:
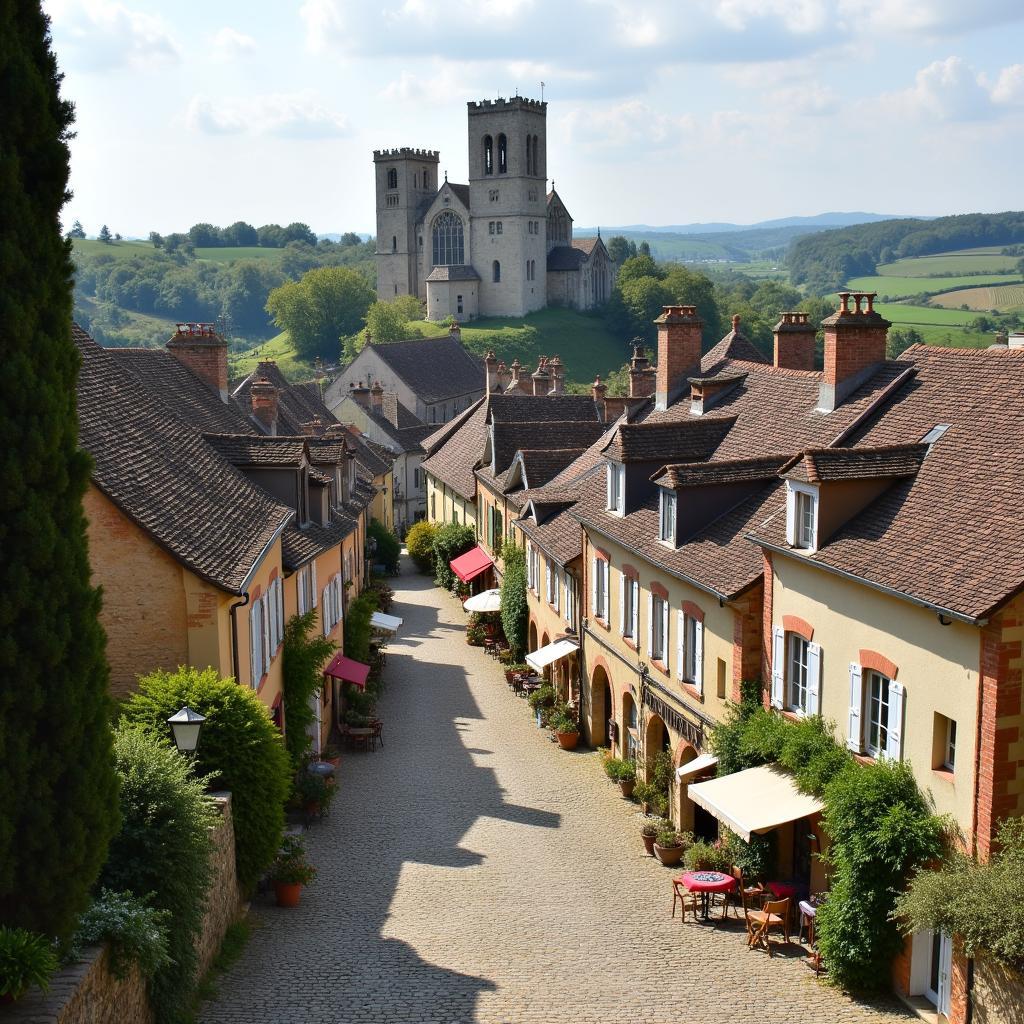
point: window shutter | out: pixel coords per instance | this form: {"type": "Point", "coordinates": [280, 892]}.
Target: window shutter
{"type": "Point", "coordinates": [813, 677]}
{"type": "Point", "coordinates": [300, 591]}
{"type": "Point", "coordinates": [680, 637]}
{"type": "Point", "coordinates": [778, 666]}
{"type": "Point", "coordinates": [556, 586]}
{"type": "Point", "coordinates": [254, 646]}
{"type": "Point", "coordinates": [325, 610]}
{"type": "Point", "coordinates": [698, 656]}
{"type": "Point", "coordinates": [267, 611]}
{"type": "Point", "coordinates": [894, 744]}
{"type": "Point", "coordinates": [635, 584]}
{"type": "Point", "coordinates": [312, 585]}
{"type": "Point", "coordinates": [593, 588]}
{"type": "Point", "coordinates": [854, 732]}
{"type": "Point", "coordinates": [338, 593]}
{"type": "Point", "coordinates": [814, 521]}
{"type": "Point", "coordinates": [608, 482]}
{"type": "Point", "coordinates": [791, 523]}
{"type": "Point", "coordinates": [529, 565]}
{"type": "Point", "coordinates": [650, 624]}
{"type": "Point", "coordinates": [622, 604]}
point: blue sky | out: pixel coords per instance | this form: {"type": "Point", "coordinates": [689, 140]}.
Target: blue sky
{"type": "Point", "coordinates": [660, 111]}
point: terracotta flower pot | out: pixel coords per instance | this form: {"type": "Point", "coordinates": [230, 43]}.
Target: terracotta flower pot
{"type": "Point", "coordinates": [668, 855]}
{"type": "Point", "coordinates": [648, 844]}
{"type": "Point", "coordinates": [626, 787]}
{"type": "Point", "coordinates": [568, 740]}
{"type": "Point", "coordinates": [287, 893]}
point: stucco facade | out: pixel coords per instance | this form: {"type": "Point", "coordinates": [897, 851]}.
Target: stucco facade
{"type": "Point", "coordinates": [446, 506]}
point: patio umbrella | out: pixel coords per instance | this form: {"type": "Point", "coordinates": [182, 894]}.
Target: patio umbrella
{"type": "Point", "coordinates": [487, 601]}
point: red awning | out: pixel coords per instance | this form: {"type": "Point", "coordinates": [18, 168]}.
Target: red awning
{"type": "Point", "coordinates": [471, 564]}
{"type": "Point", "coordinates": [348, 671]}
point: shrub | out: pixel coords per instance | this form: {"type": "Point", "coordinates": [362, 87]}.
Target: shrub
{"type": "Point", "coordinates": [562, 719]}
{"type": "Point", "coordinates": [389, 547]}
{"type": "Point", "coordinates": [240, 749]}
{"type": "Point", "coordinates": [543, 697]}
{"type": "Point", "coordinates": [358, 628]}
{"type": "Point", "coordinates": [306, 651]}
{"type": "Point", "coordinates": [419, 542]}
{"type": "Point", "coordinates": [383, 590]}
{"type": "Point", "coordinates": [621, 770]}
{"type": "Point", "coordinates": [162, 853]}
{"type": "Point", "coordinates": [651, 826]}
{"type": "Point", "coordinates": [135, 931]}
{"type": "Point", "coordinates": [27, 961]}
{"type": "Point", "coordinates": [704, 856]}
{"type": "Point", "coordinates": [810, 751]}
{"type": "Point", "coordinates": [315, 789]}
{"type": "Point", "coordinates": [450, 541]}
{"type": "Point", "coordinates": [514, 608]}
{"type": "Point", "coordinates": [290, 866]}
{"type": "Point", "coordinates": [758, 858]}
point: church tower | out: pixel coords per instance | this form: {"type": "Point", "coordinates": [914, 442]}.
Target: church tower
{"type": "Point", "coordinates": [507, 189]}
{"type": "Point", "coordinates": [404, 178]}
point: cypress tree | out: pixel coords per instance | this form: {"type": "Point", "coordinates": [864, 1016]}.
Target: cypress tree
{"type": "Point", "coordinates": [58, 792]}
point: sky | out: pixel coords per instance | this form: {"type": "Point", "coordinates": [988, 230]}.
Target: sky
{"type": "Point", "coordinates": [659, 111]}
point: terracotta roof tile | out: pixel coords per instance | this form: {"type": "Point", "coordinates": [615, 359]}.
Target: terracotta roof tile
{"type": "Point", "coordinates": [680, 440]}
{"type": "Point", "coordinates": [821, 465]}
{"type": "Point", "coordinates": [243, 450]}
{"type": "Point", "coordinates": [454, 460]}
{"type": "Point", "coordinates": [518, 408]}
{"type": "Point", "coordinates": [702, 474]}
{"type": "Point", "coordinates": [435, 369]}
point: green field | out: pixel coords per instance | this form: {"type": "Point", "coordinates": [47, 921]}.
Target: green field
{"type": "Point", "coordinates": [584, 343]}
{"type": "Point", "coordinates": [119, 250]}
{"type": "Point", "coordinates": [230, 253]}
{"type": "Point", "coordinates": [897, 287]}
{"type": "Point", "coordinates": [916, 316]}
{"type": "Point", "coordinates": [982, 299]}
{"type": "Point", "coordinates": [950, 265]}
{"type": "Point", "coordinates": [948, 337]}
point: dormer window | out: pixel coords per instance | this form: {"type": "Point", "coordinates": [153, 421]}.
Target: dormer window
{"type": "Point", "coordinates": [667, 518]}
{"type": "Point", "coordinates": [802, 516]}
{"type": "Point", "coordinates": [616, 488]}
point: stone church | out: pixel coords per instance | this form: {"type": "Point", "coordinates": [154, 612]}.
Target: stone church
{"type": "Point", "coordinates": [501, 245]}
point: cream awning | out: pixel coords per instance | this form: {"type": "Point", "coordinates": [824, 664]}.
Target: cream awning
{"type": "Point", "coordinates": [388, 622]}
{"type": "Point", "coordinates": [755, 800]}
{"type": "Point", "coordinates": [539, 660]}
{"type": "Point", "coordinates": [696, 766]}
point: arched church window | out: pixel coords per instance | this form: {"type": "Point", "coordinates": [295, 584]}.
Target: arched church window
{"type": "Point", "coordinates": [536, 163]}
{"type": "Point", "coordinates": [449, 247]}
{"type": "Point", "coordinates": [496, 271]}
{"type": "Point", "coordinates": [529, 153]}
{"type": "Point", "coordinates": [394, 243]}
{"type": "Point", "coordinates": [488, 155]}
{"type": "Point", "coordinates": [502, 154]}
{"type": "Point", "coordinates": [426, 179]}
{"type": "Point", "coordinates": [392, 177]}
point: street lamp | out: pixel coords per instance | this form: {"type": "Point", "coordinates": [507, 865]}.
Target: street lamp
{"type": "Point", "coordinates": [186, 725]}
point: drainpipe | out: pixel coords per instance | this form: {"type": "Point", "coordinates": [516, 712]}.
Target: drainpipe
{"type": "Point", "coordinates": [234, 634]}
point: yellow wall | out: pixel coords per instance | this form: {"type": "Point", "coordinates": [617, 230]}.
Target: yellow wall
{"type": "Point", "coordinates": [270, 687]}
{"type": "Point", "coordinates": [383, 507]}
{"type": "Point", "coordinates": [937, 664]}
{"type": "Point", "coordinates": [443, 504]}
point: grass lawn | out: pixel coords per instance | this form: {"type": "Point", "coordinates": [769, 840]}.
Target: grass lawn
{"type": "Point", "coordinates": [1005, 297]}
{"type": "Point", "coordinates": [915, 316]}
{"type": "Point", "coordinates": [897, 287]}
{"type": "Point", "coordinates": [279, 349]}
{"type": "Point", "coordinates": [951, 265]}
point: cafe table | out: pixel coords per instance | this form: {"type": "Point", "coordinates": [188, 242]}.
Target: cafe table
{"type": "Point", "coordinates": [705, 883]}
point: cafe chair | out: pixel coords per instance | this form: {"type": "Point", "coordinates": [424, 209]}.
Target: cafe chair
{"type": "Point", "coordinates": [741, 895]}
{"type": "Point", "coordinates": [375, 737]}
{"type": "Point", "coordinates": [683, 895]}
{"type": "Point", "coordinates": [774, 914]}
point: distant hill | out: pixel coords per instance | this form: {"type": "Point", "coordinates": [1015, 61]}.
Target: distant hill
{"type": "Point", "coordinates": [819, 220]}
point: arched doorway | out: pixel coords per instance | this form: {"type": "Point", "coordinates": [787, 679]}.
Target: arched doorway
{"type": "Point", "coordinates": [630, 727]}
{"type": "Point", "coordinates": [532, 642]}
{"type": "Point", "coordinates": [602, 708]}
{"type": "Point", "coordinates": [547, 668]}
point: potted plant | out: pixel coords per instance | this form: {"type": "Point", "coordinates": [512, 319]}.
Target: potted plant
{"type": "Point", "coordinates": [668, 845]}
{"type": "Point", "coordinates": [625, 776]}
{"type": "Point", "coordinates": [315, 792]}
{"type": "Point", "coordinates": [291, 871]}
{"type": "Point", "coordinates": [703, 856]}
{"type": "Point", "coordinates": [331, 754]}
{"type": "Point", "coordinates": [649, 829]}
{"type": "Point", "coordinates": [563, 724]}
{"type": "Point", "coordinates": [542, 700]}
{"type": "Point", "coordinates": [26, 961]}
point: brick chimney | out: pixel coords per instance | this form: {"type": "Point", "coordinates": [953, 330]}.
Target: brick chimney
{"type": "Point", "coordinates": [360, 392]}
{"type": "Point", "coordinates": [204, 352]}
{"type": "Point", "coordinates": [557, 375]}
{"type": "Point", "coordinates": [854, 346]}
{"type": "Point", "coordinates": [642, 376]}
{"type": "Point", "coordinates": [376, 398]}
{"type": "Point", "coordinates": [314, 427]}
{"type": "Point", "coordinates": [504, 375]}
{"type": "Point", "coordinates": [491, 368]}
{"type": "Point", "coordinates": [599, 390]}
{"type": "Point", "coordinates": [794, 341]}
{"type": "Point", "coordinates": [679, 348]}
{"type": "Point", "coordinates": [542, 378]}
{"type": "Point", "coordinates": [263, 396]}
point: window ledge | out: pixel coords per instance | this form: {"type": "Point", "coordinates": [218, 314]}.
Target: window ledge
{"type": "Point", "coordinates": [946, 774]}
{"type": "Point", "coordinates": [865, 759]}
{"type": "Point", "coordinates": [628, 641]}
{"type": "Point", "coordinates": [603, 623]}
{"type": "Point", "coordinates": [691, 691]}
{"type": "Point", "coordinates": [660, 666]}
{"type": "Point", "coordinates": [793, 716]}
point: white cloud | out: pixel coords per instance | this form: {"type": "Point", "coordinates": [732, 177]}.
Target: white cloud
{"type": "Point", "coordinates": [298, 115]}
{"type": "Point", "coordinates": [932, 17]}
{"type": "Point", "coordinates": [1009, 87]}
{"type": "Point", "coordinates": [100, 35]}
{"type": "Point", "coordinates": [230, 44]}
{"type": "Point", "coordinates": [628, 126]}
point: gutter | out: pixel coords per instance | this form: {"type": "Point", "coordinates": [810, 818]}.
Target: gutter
{"type": "Point", "coordinates": [234, 634]}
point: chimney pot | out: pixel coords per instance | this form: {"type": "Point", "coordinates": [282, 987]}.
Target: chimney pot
{"type": "Point", "coordinates": [794, 342]}
{"type": "Point", "coordinates": [679, 351]}
{"type": "Point", "coordinates": [854, 346]}
{"type": "Point", "coordinates": [204, 352]}
{"type": "Point", "coordinates": [264, 401]}
{"type": "Point", "coordinates": [735, 323]}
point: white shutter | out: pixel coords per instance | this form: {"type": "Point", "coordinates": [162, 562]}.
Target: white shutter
{"type": "Point", "coordinates": [338, 589]}
{"type": "Point", "coordinates": [556, 586]}
{"type": "Point", "coordinates": [894, 744]}
{"type": "Point", "coordinates": [680, 637]}
{"type": "Point", "coordinates": [792, 527]}
{"type": "Point", "coordinates": [529, 565]}
{"type": "Point", "coordinates": [266, 630]}
{"type": "Point", "coordinates": [325, 610]}
{"type": "Point", "coordinates": [778, 666]}
{"type": "Point", "coordinates": [622, 603]}
{"type": "Point", "coordinates": [813, 677]}
{"type": "Point", "coordinates": [635, 584]}
{"type": "Point", "coordinates": [300, 592]}
{"type": "Point", "coordinates": [698, 656]}
{"type": "Point", "coordinates": [650, 624]}
{"type": "Point", "coordinates": [312, 584]}
{"type": "Point", "coordinates": [593, 588]}
{"type": "Point", "coordinates": [608, 482]}
{"type": "Point", "coordinates": [255, 646]}
{"type": "Point", "coordinates": [854, 732]}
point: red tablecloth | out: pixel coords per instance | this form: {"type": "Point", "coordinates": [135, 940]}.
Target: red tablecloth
{"type": "Point", "coordinates": [783, 890]}
{"type": "Point", "coordinates": [708, 881]}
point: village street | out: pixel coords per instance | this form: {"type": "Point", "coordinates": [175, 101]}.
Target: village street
{"type": "Point", "coordinates": [472, 871]}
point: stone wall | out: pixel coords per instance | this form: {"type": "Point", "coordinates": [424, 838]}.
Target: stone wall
{"type": "Point", "coordinates": [998, 993]}
{"type": "Point", "coordinates": [224, 904]}
{"type": "Point", "coordinates": [85, 993]}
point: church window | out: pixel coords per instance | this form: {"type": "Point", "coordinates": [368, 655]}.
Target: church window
{"type": "Point", "coordinates": [392, 177]}
{"type": "Point", "coordinates": [458, 302]}
{"type": "Point", "coordinates": [529, 153]}
{"type": "Point", "coordinates": [497, 227]}
{"type": "Point", "coordinates": [490, 228]}
{"type": "Point", "coordinates": [532, 195]}
{"type": "Point", "coordinates": [416, 180]}
{"type": "Point", "coordinates": [493, 195]}
{"type": "Point", "coordinates": [535, 162]}
{"type": "Point", "coordinates": [392, 200]}
{"type": "Point", "coordinates": [496, 271]}
{"type": "Point", "coordinates": [394, 243]}
{"type": "Point", "coordinates": [448, 240]}
{"type": "Point", "coordinates": [488, 155]}
{"type": "Point", "coordinates": [421, 241]}
{"type": "Point", "coordinates": [502, 154]}
{"type": "Point", "coordinates": [426, 179]}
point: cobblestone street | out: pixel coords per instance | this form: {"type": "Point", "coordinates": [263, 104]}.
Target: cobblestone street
{"type": "Point", "coordinates": [472, 871]}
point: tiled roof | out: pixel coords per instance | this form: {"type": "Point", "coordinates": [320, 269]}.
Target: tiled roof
{"type": "Point", "coordinates": [452, 463]}
{"type": "Point", "coordinates": [948, 537]}
{"type": "Point", "coordinates": [453, 273]}
{"type": "Point", "coordinates": [565, 257]}
{"type": "Point", "coordinates": [326, 451]}
{"type": "Point", "coordinates": [375, 458]}
{"type": "Point", "coordinates": [296, 403]}
{"type": "Point", "coordinates": [733, 346]}
{"type": "Point", "coordinates": [435, 369]}
{"type": "Point", "coordinates": [541, 466]}
{"type": "Point", "coordinates": [509, 438]}
{"type": "Point", "coordinates": [185, 394]}
{"type": "Point", "coordinates": [436, 438]}
{"type": "Point", "coordinates": [558, 535]}
{"type": "Point", "coordinates": [686, 440]}
{"type": "Point", "coordinates": [821, 465]}
{"type": "Point", "coordinates": [301, 546]}
{"type": "Point", "coordinates": [243, 450]}
{"type": "Point", "coordinates": [167, 479]}
{"type": "Point", "coordinates": [587, 245]}
{"type": "Point", "coordinates": [517, 408]}
{"type": "Point", "coordinates": [462, 192]}
{"type": "Point", "coordinates": [703, 474]}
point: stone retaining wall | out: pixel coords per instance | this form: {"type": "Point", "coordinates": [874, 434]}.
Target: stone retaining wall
{"type": "Point", "coordinates": [224, 903]}
{"type": "Point", "coordinates": [998, 994]}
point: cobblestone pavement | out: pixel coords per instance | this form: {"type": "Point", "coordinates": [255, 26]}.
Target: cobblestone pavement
{"type": "Point", "coordinates": [470, 871]}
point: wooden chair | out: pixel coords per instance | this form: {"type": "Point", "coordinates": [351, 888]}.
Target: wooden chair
{"type": "Point", "coordinates": [682, 894]}
{"type": "Point", "coordinates": [375, 737]}
{"type": "Point", "coordinates": [741, 895]}
{"type": "Point", "coordinates": [774, 914]}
